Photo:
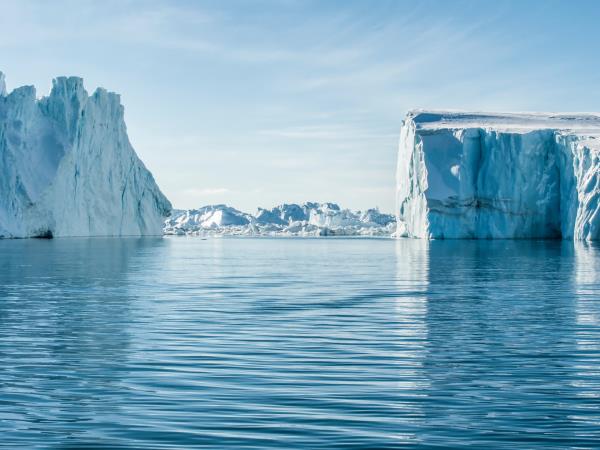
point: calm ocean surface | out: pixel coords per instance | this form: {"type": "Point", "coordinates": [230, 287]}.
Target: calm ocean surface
{"type": "Point", "coordinates": [182, 343]}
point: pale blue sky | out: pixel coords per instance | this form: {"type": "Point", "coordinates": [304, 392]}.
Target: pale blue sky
{"type": "Point", "coordinates": [254, 103]}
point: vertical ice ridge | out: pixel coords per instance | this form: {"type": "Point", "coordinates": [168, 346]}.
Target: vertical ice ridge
{"type": "Point", "coordinates": [2, 85]}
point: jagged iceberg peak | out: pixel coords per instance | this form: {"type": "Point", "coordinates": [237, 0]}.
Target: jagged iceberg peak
{"type": "Point", "coordinates": [69, 169]}
{"type": "Point", "coordinates": [499, 175]}
{"type": "Point", "coordinates": [2, 85]}
{"type": "Point", "coordinates": [212, 216]}
{"type": "Point", "coordinates": [291, 212]}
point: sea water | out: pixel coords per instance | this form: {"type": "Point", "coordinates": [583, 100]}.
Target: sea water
{"type": "Point", "coordinates": [180, 343]}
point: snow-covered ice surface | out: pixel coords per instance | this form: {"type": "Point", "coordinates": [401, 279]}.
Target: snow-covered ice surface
{"type": "Point", "coordinates": [308, 219]}
{"type": "Point", "coordinates": [487, 175]}
{"type": "Point", "coordinates": [68, 168]}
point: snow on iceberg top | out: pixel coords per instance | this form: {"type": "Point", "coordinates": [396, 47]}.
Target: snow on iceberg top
{"type": "Point", "coordinates": [432, 119]}
{"type": "Point", "coordinates": [584, 124]}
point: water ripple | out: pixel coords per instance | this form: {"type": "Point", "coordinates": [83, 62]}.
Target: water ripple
{"type": "Point", "coordinates": [298, 343]}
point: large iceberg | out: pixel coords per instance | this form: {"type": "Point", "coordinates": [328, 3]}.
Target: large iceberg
{"type": "Point", "coordinates": [68, 168]}
{"type": "Point", "coordinates": [308, 219]}
{"type": "Point", "coordinates": [485, 176]}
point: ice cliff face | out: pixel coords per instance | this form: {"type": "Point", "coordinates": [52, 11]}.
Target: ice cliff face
{"type": "Point", "coordinates": [68, 168]}
{"type": "Point", "coordinates": [482, 176]}
{"type": "Point", "coordinates": [308, 219]}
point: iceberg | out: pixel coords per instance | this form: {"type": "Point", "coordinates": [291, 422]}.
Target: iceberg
{"type": "Point", "coordinates": [208, 217]}
{"type": "Point", "coordinates": [68, 168]}
{"type": "Point", "coordinates": [499, 175]}
{"type": "Point", "coordinates": [308, 219]}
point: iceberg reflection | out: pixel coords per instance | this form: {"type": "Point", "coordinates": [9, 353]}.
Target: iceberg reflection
{"type": "Point", "coordinates": [586, 362]}
{"type": "Point", "coordinates": [412, 281]}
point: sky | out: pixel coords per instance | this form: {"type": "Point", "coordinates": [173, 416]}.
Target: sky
{"type": "Point", "coordinates": [257, 103]}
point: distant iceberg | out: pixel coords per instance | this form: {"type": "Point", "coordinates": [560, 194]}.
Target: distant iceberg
{"type": "Point", "coordinates": [485, 176]}
{"type": "Point", "coordinates": [68, 168]}
{"type": "Point", "coordinates": [308, 219]}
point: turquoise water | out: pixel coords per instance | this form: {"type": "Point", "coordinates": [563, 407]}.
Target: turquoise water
{"type": "Point", "coordinates": [298, 343]}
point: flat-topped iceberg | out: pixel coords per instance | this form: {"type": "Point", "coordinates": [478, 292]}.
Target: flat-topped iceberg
{"type": "Point", "coordinates": [308, 219]}
{"type": "Point", "coordinates": [68, 168]}
{"type": "Point", "coordinates": [485, 176]}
